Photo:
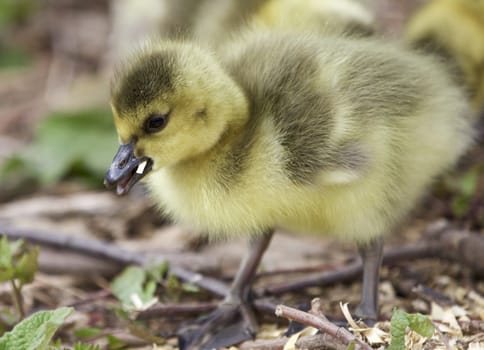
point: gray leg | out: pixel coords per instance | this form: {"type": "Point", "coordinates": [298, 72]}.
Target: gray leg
{"type": "Point", "coordinates": [233, 321]}
{"type": "Point", "coordinates": [242, 282]}
{"type": "Point", "coordinates": [371, 255]}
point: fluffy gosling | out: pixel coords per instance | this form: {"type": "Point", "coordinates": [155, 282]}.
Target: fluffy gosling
{"type": "Point", "coordinates": [454, 29]}
{"type": "Point", "coordinates": [323, 135]}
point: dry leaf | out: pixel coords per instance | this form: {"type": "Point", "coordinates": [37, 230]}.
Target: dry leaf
{"type": "Point", "coordinates": [447, 317]}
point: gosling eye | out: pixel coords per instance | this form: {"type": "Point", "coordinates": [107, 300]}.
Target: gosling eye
{"type": "Point", "coordinates": [155, 123]}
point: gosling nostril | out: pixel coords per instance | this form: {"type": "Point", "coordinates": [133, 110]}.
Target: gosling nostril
{"type": "Point", "coordinates": [123, 163]}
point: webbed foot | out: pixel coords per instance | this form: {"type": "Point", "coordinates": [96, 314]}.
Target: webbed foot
{"type": "Point", "coordinates": [229, 324]}
{"type": "Point", "coordinates": [233, 321]}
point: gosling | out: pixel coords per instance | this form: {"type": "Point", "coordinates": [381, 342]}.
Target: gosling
{"type": "Point", "coordinates": [454, 29]}
{"type": "Point", "coordinates": [324, 135]}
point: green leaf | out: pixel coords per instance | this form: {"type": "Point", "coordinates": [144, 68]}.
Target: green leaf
{"type": "Point", "coordinates": [56, 344]}
{"type": "Point", "coordinates": [16, 246]}
{"type": "Point", "coordinates": [133, 288]}
{"type": "Point", "coordinates": [399, 323]}
{"type": "Point", "coordinates": [158, 272]}
{"type": "Point", "coordinates": [36, 331]}
{"type": "Point", "coordinates": [351, 345]}
{"type": "Point", "coordinates": [114, 343]}
{"type": "Point", "coordinates": [15, 11]}
{"type": "Point", "coordinates": [27, 265]}
{"type": "Point", "coordinates": [88, 332]}
{"type": "Point", "coordinates": [17, 260]}
{"type": "Point", "coordinates": [129, 282]}
{"type": "Point", "coordinates": [464, 187]}
{"type": "Point", "coordinates": [173, 287]}
{"type": "Point", "coordinates": [468, 182]}
{"type": "Point", "coordinates": [190, 288]}
{"type": "Point", "coordinates": [398, 327]}
{"type": "Point", "coordinates": [7, 270]}
{"type": "Point", "coordinates": [12, 57]}
{"type": "Point", "coordinates": [64, 139]}
{"type": "Point", "coordinates": [75, 144]}
{"type": "Point", "coordinates": [421, 324]}
{"type": "Point", "coordinates": [80, 346]}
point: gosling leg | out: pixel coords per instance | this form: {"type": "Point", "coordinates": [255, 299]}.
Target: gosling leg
{"type": "Point", "coordinates": [233, 321]}
{"type": "Point", "coordinates": [371, 255]}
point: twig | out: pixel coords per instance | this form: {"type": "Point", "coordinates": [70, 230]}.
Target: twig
{"type": "Point", "coordinates": [430, 295]}
{"type": "Point", "coordinates": [262, 305]}
{"type": "Point", "coordinates": [298, 270]}
{"type": "Point", "coordinates": [445, 243]}
{"type": "Point", "coordinates": [176, 309]}
{"type": "Point", "coordinates": [264, 344]}
{"type": "Point", "coordinates": [265, 305]}
{"type": "Point", "coordinates": [92, 297]}
{"type": "Point", "coordinates": [342, 334]}
{"type": "Point", "coordinates": [345, 274]}
{"type": "Point", "coordinates": [311, 342]}
{"type": "Point", "coordinates": [450, 244]}
{"type": "Point", "coordinates": [87, 246]}
{"type": "Point", "coordinates": [320, 341]}
{"type": "Point", "coordinates": [99, 249]}
{"type": "Point", "coordinates": [472, 326]}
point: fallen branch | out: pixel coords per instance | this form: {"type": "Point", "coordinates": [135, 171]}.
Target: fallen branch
{"type": "Point", "coordinates": [409, 285]}
{"type": "Point", "coordinates": [320, 341]}
{"type": "Point", "coordinates": [342, 334]}
{"type": "Point", "coordinates": [263, 344]}
{"type": "Point", "coordinates": [345, 274]}
{"type": "Point", "coordinates": [99, 249]}
{"type": "Point", "coordinates": [472, 326]}
{"type": "Point", "coordinates": [443, 242]}
{"type": "Point", "coordinates": [262, 305]}
{"type": "Point", "coordinates": [176, 309]}
{"type": "Point", "coordinates": [310, 342]}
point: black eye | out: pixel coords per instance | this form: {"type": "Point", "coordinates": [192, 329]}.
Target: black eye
{"type": "Point", "coordinates": [155, 123]}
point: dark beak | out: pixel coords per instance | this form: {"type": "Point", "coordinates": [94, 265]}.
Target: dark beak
{"type": "Point", "coordinates": [126, 169]}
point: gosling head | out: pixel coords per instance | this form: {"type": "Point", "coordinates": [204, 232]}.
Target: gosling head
{"type": "Point", "coordinates": [170, 102]}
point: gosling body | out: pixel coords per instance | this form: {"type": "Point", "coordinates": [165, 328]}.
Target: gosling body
{"type": "Point", "coordinates": [320, 135]}
{"type": "Point", "coordinates": [317, 134]}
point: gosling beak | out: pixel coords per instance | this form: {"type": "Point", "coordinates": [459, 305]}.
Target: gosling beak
{"type": "Point", "coordinates": [126, 169]}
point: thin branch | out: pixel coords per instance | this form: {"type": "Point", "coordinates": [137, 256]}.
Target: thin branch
{"type": "Point", "coordinates": [86, 246]}
{"type": "Point", "coordinates": [472, 326]}
{"type": "Point", "coordinates": [345, 274]}
{"type": "Point", "coordinates": [176, 309]}
{"type": "Point", "coordinates": [263, 344]}
{"type": "Point", "coordinates": [320, 341]}
{"type": "Point", "coordinates": [99, 249]}
{"type": "Point", "coordinates": [342, 334]}
{"type": "Point", "coordinates": [263, 305]}
{"type": "Point", "coordinates": [298, 270]}
{"type": "Point", "coordinates": [445, 242]}
{"type": "Point", "coordinates": [461, 246]}
{"type": "Point", "coordinates": [310, 342]}
{"type": "Point", "coordinates": [92, 297]}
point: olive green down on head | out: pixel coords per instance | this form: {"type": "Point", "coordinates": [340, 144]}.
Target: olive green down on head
{"type": "Point", "coordinates": [312, 134]}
